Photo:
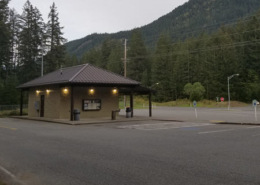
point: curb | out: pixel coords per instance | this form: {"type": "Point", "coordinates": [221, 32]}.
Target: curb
{"type": "Point", "coordinates": [79, 123]}
{"type": "Point", "coordinates": [168, 120]}
{"type": "Point", "coordinates": [8, 178]}
{"type": "Point", "coordinates": [233, 123]}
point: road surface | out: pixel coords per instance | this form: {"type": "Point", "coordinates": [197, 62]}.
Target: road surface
{"type": "Point", "coordinates": [152, 153]}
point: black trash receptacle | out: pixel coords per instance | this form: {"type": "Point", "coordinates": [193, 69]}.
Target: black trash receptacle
{"type": "Point", "coordinates": [76, 113]}
{"type": "Point", "coordinates": [128, 112]}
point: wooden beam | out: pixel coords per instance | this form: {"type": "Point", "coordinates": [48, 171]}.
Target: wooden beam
{"type": "Point", "coordinates": [132, 103]}
{"type": "Point", "coordinates": [71, 103]}
{"type": "Point", "coordinates": [150, 104]}
{"type": "Point", "coordinates": [21, 103]}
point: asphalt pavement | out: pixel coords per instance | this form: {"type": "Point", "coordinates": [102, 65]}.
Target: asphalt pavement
{"type": "Point", "coordinates": [235, 115]}
{"type": "Point", "coordinates": [151, 152]}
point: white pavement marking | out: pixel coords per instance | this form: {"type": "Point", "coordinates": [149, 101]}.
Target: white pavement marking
{"type": "Point", "coordinates": [216, 131]}
{"type": "Point", "coordinates": [190, 126]}
{"type": "Point", "coordinates": [163, 126]}
{"type": "Point", "coordinates": [253, 127]}
{"type": "Point", "coordinates": [13, 177]}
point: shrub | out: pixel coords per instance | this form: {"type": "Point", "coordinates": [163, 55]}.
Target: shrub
{"type": "Point", "coordinates": [195, 91]}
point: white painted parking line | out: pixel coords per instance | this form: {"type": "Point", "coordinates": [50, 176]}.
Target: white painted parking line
{"type": "Point", "coordinates": [165, 126]}
{"type": "Point", "coordinates": [210, 132]}
{"type": "Point", "coordinates": [253, 127]}
{"type": "Point", "coordinates": [9, 175]}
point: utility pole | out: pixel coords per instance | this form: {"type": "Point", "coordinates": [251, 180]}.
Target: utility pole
{"type": "Point", "coordinates": [42, 58]}
{"type": "Point", "coordinates": [125, 59]}
{"type": "Point", "coordinates": [125, 54]}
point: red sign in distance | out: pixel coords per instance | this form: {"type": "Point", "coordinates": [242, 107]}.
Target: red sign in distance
{"type": "Point", "coordinates": [222, 99]}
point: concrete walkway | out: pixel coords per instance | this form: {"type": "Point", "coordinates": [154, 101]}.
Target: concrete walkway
{"type": "Point", "coordinates": [86, 121]}
{"type": "Point", "coordinates": [240, 115]}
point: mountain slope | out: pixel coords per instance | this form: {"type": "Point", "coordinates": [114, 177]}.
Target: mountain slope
{"type": "Point", "coordinates": [191, 18]}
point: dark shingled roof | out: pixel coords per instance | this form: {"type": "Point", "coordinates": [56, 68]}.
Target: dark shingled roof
{"type": "Point", "coordinates": [84, 74]}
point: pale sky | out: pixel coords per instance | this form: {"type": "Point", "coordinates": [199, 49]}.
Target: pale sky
{"type": "Point", "coordinates": [83, 17]}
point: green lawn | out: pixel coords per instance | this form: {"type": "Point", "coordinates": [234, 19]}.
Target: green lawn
{"type": "Point", "coordinates": [2, 183]}
{"type": "Point", "coordinates": [141, 103]}
{"type": "Point", "coordinates": [8, 113]}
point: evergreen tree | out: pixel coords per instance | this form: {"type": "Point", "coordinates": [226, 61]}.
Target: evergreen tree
{"type": "Point", "coordinates": [115, 63]}
{"type": "Point", "coordinates": [94, 56]}
{"type": "Point", "coordinates": [30, 37]}
{"type": "Point", "coordinates": [56, 56]}
{"type": "Point", "coordinates": [137, 53]}
{"type": "Point", "coordinates": [4, 38]}
{"type": "Point", "coordinates": [163, 69]}
{"type": "Point", "coordinates": [106, 51]}
{"type": "Point", "coordinates": [9, 95]}
{"type": "Point", "coordinates": [14, 41]}
{"type": "Point", "coordinates": [70, 60]}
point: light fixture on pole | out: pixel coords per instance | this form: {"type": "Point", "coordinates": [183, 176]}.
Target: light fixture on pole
{"type": "Point", "coordinates": [154, 85]}
{"type": "Point", "coordinates": [229, 78]}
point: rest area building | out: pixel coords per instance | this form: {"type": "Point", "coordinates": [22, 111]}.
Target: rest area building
{"type": "Point", "coordinates": [90, 89]}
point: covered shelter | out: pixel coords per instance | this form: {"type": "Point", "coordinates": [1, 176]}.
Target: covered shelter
{"type": "Point", "coordinates": [93, 90]}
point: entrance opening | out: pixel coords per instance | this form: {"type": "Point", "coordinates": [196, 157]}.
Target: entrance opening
{"type": "Point", "coordinates": [42, 106]}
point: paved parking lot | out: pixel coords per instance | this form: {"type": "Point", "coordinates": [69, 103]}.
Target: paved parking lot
{"type": "Point", "coordinates": [153, 153]}
{"type": "Point", "coordinates": [237, 115]}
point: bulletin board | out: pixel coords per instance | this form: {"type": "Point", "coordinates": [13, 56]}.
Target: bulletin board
{"type": "Point", "coordinates": [91, 105]}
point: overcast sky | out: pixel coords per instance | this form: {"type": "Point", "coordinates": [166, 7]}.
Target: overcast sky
{"type": "Point", "coordinates": [83, 17]}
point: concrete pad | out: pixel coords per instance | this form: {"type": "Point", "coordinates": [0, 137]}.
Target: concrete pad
{"type": "Point", "coordinates": [85, 121]}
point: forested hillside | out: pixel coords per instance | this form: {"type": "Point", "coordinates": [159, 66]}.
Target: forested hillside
{"type": "Point", "coordinates": [209, 14]}
{"type": "Point", "coordinates": [197, 46]}
{"type": "Point", "coordinates": [207, 58]}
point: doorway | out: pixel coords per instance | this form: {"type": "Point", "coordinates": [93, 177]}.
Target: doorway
{"type": "Point", "coordinates": [42, 106]}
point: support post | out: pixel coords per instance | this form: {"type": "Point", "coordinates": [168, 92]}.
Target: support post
{"type": "Point", "coordinates": [21, 103]}
{"type": "Point", "coordinates": [125, 59]}
{"type": "Point", "coordinates": [71, 103]}
{"type": "Point", "coordinates": [228, 95]}
{"type": "Point", "coordinates": [150, 104]}
{"type": "Point", "coordinates": [132, 103]}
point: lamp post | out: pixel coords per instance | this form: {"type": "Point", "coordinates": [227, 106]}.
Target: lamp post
{"type": "Point", "coordinates": [154, 85]}
{"type": "Point", "coordinates": [229, 78]}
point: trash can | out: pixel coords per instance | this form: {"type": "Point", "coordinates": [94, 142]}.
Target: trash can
{"type": "Point", "coordinates": [128, 112]}
{"type": "Point", "coordinates": [76, 113]}
{"type": "Point", "coordinates": [113, 117]}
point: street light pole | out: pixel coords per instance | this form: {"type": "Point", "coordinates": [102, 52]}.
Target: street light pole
{"type": "Point", "coordinates": [154, 85]}
{"type": "Point", "coordinates": [125, 60]}
{"type": "Point", "coordinates": [229, 78]}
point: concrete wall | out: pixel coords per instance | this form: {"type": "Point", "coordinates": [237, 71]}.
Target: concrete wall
{"type": "Point", "coordinates": [57, 101]}
{"type": "Point", "coordinates": [51, 105]}
{"type": "Point", "coordinates": [109, 102]}
{"type": "Point", "coordinates": [33, 96]}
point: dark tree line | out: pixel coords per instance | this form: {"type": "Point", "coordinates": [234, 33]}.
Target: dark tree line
{"type": "Point", "coordinates": [24, 40]}
{"type": "Point", "coordinates": [207, 58]}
